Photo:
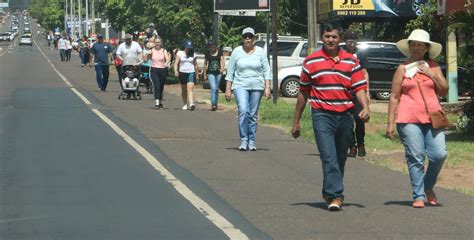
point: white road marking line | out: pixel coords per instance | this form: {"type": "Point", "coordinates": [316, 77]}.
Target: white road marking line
{"type": "Point", "coordinates": [212, 215]}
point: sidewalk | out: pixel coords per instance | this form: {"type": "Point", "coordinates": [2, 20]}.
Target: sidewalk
{"type": "Point", "coordinates": [278, 187]}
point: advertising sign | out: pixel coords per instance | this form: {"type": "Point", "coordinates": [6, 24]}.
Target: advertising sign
{"type": "Point", "coordinates": [4, 3]}
{"type": "Point", "coordinates": [371, 8]}
{"type": "Point", "coordinates": [241, 5]}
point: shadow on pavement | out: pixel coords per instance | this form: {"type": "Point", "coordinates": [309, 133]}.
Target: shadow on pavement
{"type": "Point", "coordinates": [323, 205]}
{"type": "Point", "coordinates": [408, 203]}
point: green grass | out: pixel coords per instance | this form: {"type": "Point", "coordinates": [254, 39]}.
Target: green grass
{"type": "Point", "coordinates": [460, 146]}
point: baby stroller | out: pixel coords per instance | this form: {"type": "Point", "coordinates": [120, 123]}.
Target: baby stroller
{"type": "Point", "coordinates": [145, 76]}
{"type": "Point", "coordinates": [130, 79]}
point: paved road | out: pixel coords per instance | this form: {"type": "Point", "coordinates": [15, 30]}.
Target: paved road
{"type": "Point", "coordinates": [276, 189]}
{"type": "Point", "coordinates": [65, 174]}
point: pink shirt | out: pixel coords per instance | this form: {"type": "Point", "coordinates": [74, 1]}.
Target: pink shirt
{"type": "Point", "coordinates": [158, 59]}
{"type": "Point", "coordinates": [411, 108]}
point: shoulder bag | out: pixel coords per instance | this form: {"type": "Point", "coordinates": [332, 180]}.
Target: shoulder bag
{"type": "Point", "coordinates": [438, 118]}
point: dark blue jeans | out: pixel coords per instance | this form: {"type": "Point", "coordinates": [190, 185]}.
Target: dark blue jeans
{"type": "Point", "coordinates": [102, 76]}
{"type": "Point", "coordinates": [332, 131]}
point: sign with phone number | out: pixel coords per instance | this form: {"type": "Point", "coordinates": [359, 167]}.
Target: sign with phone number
{"type": "Point", "coordinates": [351, 13]}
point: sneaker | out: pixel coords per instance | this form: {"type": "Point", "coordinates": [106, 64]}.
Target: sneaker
{"type": "Point", "coordinates": [185, 107]}
{"type": "Point", "coordinates": [160, 105]}
{"type": "Point", "coordinates": [335, 205]}
{"type": "Point", "coordinates": [252, 146]}
{"type": "Point", "coordinates": [157, 107]}
{"type": "Point", "coordinates": [361, 153]}
{"type": "Point", "coordinates": [192, 107]}
{"type": "Point", "coordinates": [214, 108]}
{"type": "Point", "coordinates": [418, 204]}
{"type": "Point", "coordinates": [243, 146]}
{"type": "Point", "coordinates": [352, 152]}
{"type": "Point", "coordinates": [431, 197]}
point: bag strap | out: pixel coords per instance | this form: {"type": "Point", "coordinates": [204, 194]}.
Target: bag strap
{"type": "Point", "coordinates": [423, 97]}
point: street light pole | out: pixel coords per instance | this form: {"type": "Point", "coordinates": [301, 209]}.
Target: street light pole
{"type": "Point", "coordinates": [72, 19]}
{"type": "Point", "coordinates": [274, 11]}
{"type": "Point", "coordinates": [86, 30]}
{"type": "Point", "coordinates": [80, 17]}
{"type": "Point", "coordinates": [93, 17]}
{"type": "Point", "coordinates": [65, 16]}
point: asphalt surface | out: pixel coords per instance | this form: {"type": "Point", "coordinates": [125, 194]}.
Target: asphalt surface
{"type": "Point", "coordinates": [273, 192]}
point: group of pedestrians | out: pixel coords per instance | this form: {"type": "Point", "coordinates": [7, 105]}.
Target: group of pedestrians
{"type": "Point", "coordinates": [333, 81]}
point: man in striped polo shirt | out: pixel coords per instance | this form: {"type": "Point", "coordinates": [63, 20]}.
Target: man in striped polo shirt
{"type": "Point", "coordinates": [327, 79]}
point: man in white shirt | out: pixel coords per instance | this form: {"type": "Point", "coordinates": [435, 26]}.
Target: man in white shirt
{"type": "Point", "coordinates": [62, 46]}
{"type": "Point", "coordinates": [129, 49]}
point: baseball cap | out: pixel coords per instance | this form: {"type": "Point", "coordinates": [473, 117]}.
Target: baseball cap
{"type": "Point", "coordinates": [128, 36]}
{"type": "Point", "coordinates": [188, 44]}
{"type": "Point", "coordinates": [100, 36]}
{"type": "Point", "coordinates": [248, 30]}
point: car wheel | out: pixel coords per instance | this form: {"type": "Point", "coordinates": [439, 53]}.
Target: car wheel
{"type": "Point", "coordinates": [382, 95]}
{"type": "Point", "coordinates": [290, 87]}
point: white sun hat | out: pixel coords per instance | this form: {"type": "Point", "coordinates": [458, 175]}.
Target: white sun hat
{"type": "Point", "coordinates": [420, 36]}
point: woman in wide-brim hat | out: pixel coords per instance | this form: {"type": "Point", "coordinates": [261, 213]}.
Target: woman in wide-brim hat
{"type": "Point", "coordinates": [420, 74]}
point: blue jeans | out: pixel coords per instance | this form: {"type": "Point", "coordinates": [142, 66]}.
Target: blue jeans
{"type": "Point", "coordinates": [422, 140]}
{"type": "Point", "coordinates": [62, 54]}
{"type": "Point", "coordinates": [102, 76]}
{"type": "Point", "coordinates": [214, 81]}
{"type": "Point", "coordinates": [332, 131]}
{"type": "Point", "coordinates": [248, 102]}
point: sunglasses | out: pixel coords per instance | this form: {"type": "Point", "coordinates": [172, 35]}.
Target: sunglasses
{"type": "Point", "coordinates": [247, 35]}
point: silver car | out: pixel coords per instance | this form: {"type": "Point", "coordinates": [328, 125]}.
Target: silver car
{"type": "Point", "coordinates": [26, 40]}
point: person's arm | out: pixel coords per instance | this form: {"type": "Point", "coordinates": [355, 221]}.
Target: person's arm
{"type": "Point", "coordinates": [196, 68]}
{"type": "Point", "coordinates": [230, 75]}
{"type": "Point", "coordinates": [119, 53]}
{"type": "Point", "coordinates": [222, 64]}
{"type": "Point", "coordinates": [364, 114]}
{"type": "Point", "coordinates": [366, 75]}
{"type": "Point", "coordinates": [167, 58]}
{"type": "Point", "coordinates": [267, 76]}
{"type": "Point", "coordinates": [301, 100]}
{"type": "Point", "coordinates": [176, 64]}
{"type": "Point", "coordinates": [437, 77]}
{"type": "Point", "coordinates": [91, 55]}
{"type": "Point", "coordinates": [394, 99]}
{"type": "Point", "coordinates": [204, 72]}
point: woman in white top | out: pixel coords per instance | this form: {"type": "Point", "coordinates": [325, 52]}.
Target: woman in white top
{"type": "Point", "coordinates": [186, 68]}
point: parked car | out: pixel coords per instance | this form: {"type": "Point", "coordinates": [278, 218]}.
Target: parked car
{"type": "Point", "coordinates": [26, 40]}
{"type": "Point", "coordinates": [291, 49]}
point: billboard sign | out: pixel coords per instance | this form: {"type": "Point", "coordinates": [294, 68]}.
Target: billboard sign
{"type": "Point", "coordinates": [241, 5]}
{"type": "Point", "coordinates": [4, 3]}
{"type": "Point", "coordinates": [370, 8]}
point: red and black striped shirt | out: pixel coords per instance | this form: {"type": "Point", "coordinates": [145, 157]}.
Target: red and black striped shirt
{"type": "Point", "coordinates": [332, 81]}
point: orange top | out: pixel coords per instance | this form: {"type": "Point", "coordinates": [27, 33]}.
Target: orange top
{"type": "Point", "coordinates": [411, 108]}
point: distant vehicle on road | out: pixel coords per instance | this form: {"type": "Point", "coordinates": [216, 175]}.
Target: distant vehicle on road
{"type": "Point", "coordinates": [26, 40]}
{"type": "Point", "coordinates": [4, 37]}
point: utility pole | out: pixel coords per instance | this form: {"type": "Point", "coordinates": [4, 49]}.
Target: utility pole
{"type": "Point", "coordinates": [86, 30]}
{"type": "Point", "coordinates": [80, 18]}
{"type": "Point", "coordinates": [73, 22]}
{"type": "Point", "coordinates": [93, 17]}
{"type": "Point", "coordinates": [274, 11]}
{"type": "Point", "coordinates": [65, 16]}
{"type": "Point", "coordinates": [313, 28]}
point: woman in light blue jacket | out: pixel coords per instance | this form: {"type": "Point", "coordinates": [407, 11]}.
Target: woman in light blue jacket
{"type": "Point", "coordinates": [248, 75]}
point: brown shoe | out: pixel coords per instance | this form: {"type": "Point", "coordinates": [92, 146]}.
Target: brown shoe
{"type": "Point", "coordinates": [335, 205]}
{"type": "Point", "coordinates": [352, 152]}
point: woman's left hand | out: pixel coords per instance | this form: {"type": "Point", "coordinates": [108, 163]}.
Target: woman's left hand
{"type": "Point", "coordinates": [268, 93]}
{"type": "Point", "coordinates": [425, 70]}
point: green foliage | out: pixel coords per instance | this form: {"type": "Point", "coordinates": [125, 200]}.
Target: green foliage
{"type": "Point", "coordinates": [229, 36]}
{"type": "Point", "coordinates": [50, 13]}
